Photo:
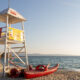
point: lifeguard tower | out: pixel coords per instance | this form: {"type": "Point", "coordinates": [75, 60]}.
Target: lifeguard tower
{"type": "Point", "coordinates": [12, 37]}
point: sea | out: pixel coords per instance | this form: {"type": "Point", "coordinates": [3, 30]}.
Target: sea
{"type": "Point", "coordinates": [65, 62]}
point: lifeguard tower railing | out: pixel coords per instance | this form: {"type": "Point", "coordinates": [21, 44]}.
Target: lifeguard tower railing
{"type": "Point", "coordinates": [12, 38]}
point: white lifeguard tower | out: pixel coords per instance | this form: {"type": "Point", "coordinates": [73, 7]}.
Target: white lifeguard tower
{"type": "Point", "coordinates": [10, 36]}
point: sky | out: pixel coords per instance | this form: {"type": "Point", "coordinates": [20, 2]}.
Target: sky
{"type": "Point", "coordinates": [52, 26]}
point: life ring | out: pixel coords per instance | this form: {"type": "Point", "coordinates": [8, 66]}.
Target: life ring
{"type": "Point", "coordinates": [41, 67]}
{"type": "Point", "coordinates": [14, 73]}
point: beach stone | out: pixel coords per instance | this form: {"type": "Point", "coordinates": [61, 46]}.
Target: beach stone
{"type": "Point", "coordinates": [59, 75]}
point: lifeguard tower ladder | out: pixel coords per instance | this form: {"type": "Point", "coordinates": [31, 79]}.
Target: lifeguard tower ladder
{"type": "Point", "coordinates": [10, 36]}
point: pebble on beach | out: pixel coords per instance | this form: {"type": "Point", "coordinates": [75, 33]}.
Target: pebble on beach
{"type": "Point", "coordinates": [61, 74]}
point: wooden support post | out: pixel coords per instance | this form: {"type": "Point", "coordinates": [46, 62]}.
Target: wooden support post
{"type": "Point", "coordinates": [5, 45]}
{"type": "Point", "coordinates": [8, 55]}
{"type": "Point", "coordinates": [17, 55]}
{"type": "Point", "coordinates": [25, 45]}
{"type": "Point", "coordinates": [20, 50]}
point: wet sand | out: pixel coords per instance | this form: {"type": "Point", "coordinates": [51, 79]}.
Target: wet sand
{"type": "Point", "coordinates": [61, 74]}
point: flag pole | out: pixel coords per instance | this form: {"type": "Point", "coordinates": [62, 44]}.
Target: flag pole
{"type": "Point", "coordinates": [8, 3]}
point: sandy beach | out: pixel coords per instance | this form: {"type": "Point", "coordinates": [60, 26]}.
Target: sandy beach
{"type": "Point", "coordinates": [61, 74]}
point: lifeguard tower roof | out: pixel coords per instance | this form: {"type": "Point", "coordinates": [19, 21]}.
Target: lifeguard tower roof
{"type": "Point", "coordinates": [14, 16]}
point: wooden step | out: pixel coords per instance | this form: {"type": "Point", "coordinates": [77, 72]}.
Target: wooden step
{"type": "Point", "coordinates": [17, 47]}
{"type": "Point", "coordinates": [18, 52]}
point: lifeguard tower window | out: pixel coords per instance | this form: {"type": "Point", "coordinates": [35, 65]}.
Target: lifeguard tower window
{"type": "Point", "coordinates": [17, 26]}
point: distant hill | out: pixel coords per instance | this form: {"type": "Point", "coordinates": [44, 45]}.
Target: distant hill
{"type": "Point", "coordinates": [38, 54]}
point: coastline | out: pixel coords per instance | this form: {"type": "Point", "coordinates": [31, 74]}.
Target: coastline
{"type": "Point", "coordinates": [60, 74]}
